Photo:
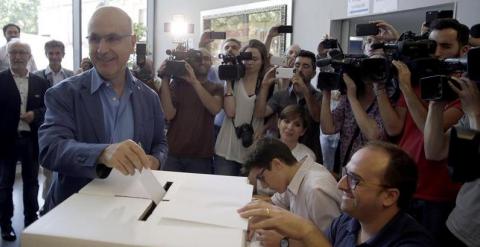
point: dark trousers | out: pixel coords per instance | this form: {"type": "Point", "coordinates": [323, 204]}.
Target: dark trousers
{"type": "Point", "coordinates": [221, 166]}
{"type": "Point", "coordinates": [433, 216]}
{"type": "Point", "coordinates": [24, 151]}
{"type": "Point", "coordinates": [192, 165]}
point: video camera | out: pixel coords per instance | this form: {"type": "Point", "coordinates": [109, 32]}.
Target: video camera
{"type": "Point", "coordinates": [464, 155]}
{"type": "Point", "coordinates": [232, 68]}
{"type": "Point", "coordinates": [408, 47]}
{"type": "Point", "coordinates": [436, 87]}
{"type": "Point", "coordinates": [415, 51]}
{"type": "Point", "coordinates": [358, 67]}
{"type": "Point", "coordinates": [176, 61]}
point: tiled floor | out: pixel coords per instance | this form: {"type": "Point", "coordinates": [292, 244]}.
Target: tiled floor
{"type": "Point", "coordinates": [18, 204]}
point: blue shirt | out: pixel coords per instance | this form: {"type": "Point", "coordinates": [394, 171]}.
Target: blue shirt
{"type": "Point", "coordinates": [401, 230]}
{"type": "Point", "coordinates": [117, 110]}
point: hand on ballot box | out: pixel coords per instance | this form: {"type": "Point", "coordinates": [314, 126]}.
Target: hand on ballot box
{"type": "Point", "coordinates": [127, 156]}
{"type": "Point", "coordinates": [262, 215]}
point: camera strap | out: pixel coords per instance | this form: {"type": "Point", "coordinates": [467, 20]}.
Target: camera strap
{"type": "Point", "coordinates": [257, 87]}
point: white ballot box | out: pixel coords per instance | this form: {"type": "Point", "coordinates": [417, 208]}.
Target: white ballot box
{"type": "Point", "coordinates": [196, 210]}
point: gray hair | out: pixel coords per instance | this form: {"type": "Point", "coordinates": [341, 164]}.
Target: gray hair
{"type": "Point", "coordinates": [16, 41]}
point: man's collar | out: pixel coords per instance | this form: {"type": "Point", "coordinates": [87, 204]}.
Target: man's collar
{"type": "Point", "coordinates": [296, 182]}
{"type": "Point", "coordinates": [98, 81]}
{"type": "Point", "coordinates": [49, 70]}
{"type": "Point", "coordinates": [353, 227]}
{"type": "Point", "coordinates": [18, 76]}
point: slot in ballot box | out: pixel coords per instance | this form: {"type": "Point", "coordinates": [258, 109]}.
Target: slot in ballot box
{"type": "Point", "coordinates": [196, 210]}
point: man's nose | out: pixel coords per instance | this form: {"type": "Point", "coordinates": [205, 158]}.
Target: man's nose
{"type": "Point", "coordinates": [103, 46]}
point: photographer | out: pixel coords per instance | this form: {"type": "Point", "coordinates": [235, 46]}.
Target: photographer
{"type": "Point", "coordinates": [464, 222]}
{"type": "Point", "coordinates": [231, 47]}
{"type": "Point", "coordinates": [300, 92]}
{"type": "Point", "coordinates": [356, 118]}
{"type": "Point", "coordinates": [435, 195]}
{"type": "Point", "coordinates": [190, 103]}
{"type": "Point", "coordinates": [238, 128]}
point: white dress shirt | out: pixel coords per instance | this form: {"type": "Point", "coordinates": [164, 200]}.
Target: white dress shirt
{"type": "Point", "coordinates": [311, 194]}
{"type": "Point", "coordinates": [22, 85]}
{"type": "Point", "coordinates": [56, 77]}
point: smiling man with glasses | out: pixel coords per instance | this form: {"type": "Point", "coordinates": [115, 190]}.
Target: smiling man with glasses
{"type": "Point", "coordinates": [104, 118]}
{"type": "Point", "coordinates": [378, 184]}
{"type": "Point", "coordinates": [21, 113]}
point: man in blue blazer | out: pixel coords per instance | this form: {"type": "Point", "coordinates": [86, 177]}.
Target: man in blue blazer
{"type": "Point", "coordinates": [103, 118]}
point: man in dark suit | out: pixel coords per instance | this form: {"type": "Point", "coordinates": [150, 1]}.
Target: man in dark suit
{"type": "Point", "coordinates": [21, 110]}
{"type": "Point", "coordinates": [54, 73]}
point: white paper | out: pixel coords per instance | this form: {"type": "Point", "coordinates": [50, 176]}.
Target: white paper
{"type": "Point", "coordinates": [381, 6]}
{"type": "Point", "coordinates": [358, 7]}
{"type": "Point", "coordinates": [152, 186]}
{"type": "Point", "coordinates": [218, 207]}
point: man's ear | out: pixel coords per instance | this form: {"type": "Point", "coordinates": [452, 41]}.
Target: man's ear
{"type": "Point", "coordinates": [391, 197]}
{"type": "Point", "coordinates": [277, 164]}
{"type": "Point", "coordinates": [464, 50]}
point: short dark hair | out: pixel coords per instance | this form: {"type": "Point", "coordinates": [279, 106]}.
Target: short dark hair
{"type": "Point", "coordinates": [445, 23]}
{"type": "Point", "coordinates": [267, 149]}
{"type": "Point", "coordinates": [10, 25]}
{"type": "Point", "coordinates": [475, 31]}
{"type": "Point", "coordinates": [232, 40]}
{"type": "Point", "coordinates": [308, 54]}
{"type": "Point", "coordinates": [401, 172]}
{"type": "Point", "coordinates": [54, 43]}
{"type": "Point", "coordinates": [294, 111]}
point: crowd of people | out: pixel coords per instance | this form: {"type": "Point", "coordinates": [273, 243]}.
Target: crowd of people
{"type": "Point", "coordinates": [380, 176]}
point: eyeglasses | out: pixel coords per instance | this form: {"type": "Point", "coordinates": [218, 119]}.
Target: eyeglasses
{"type": "Point", "coordinates": [260, 175]}
{"type": "Point", "coordinates": [21, 53]}
{"type": "Point", "coordinates": [353, 180]}
{"type": "Point", "coordinates": [112, 38]}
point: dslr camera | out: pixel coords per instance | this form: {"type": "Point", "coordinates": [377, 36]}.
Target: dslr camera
{"type": "Point", "coordinates": [244, 132]}
{"type": "Point", "coordinates": [232, 68]}
{"type": "Point", "coordinates": [176, 61]}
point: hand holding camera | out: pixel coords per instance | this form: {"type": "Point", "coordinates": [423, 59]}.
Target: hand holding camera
{"type": "Point", "coordinates": [269, 78]}
{"type": "Point", "coordinates": [404, 76]}
{"type": "Point", "coordinates": [162, 71]}
{"type": "Point", "coordinates": [273, 31]}
{"type": "Point", "coordinates": [387, 31]}
{"type": "Point", "coordinates": [299, 83]}
{"type": "Point", "coordinates": [190, 76]}
{"type": "Point", "coordinates": [469, 95]}
{"type": "Point", "coordinates": [351, 87]}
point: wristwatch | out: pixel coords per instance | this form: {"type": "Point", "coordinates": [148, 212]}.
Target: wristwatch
{"type": "Point", "coordinates": [284, 242]}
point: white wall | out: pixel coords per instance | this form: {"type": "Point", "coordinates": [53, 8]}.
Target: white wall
{"type": "Point", "coordinates": [311, 18]}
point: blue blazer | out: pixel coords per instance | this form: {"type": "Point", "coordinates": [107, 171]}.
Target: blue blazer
{"type": "Point", "coordinates": [72, 136]}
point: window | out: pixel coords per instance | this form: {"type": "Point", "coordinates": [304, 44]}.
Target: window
{"type": "Point", "coordinates": [41, 21]}
{"type": "Point", "coordinates": [250, 21]}
{"type": "Point", "coordinates": [136, 9]}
